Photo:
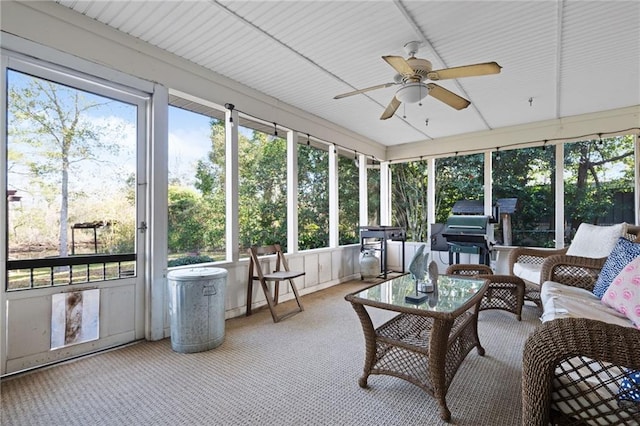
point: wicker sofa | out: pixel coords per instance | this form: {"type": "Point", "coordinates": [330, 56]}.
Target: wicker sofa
{"type": "Point", "coordinates": [579, 364]}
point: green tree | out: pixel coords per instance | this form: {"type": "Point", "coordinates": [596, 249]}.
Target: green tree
{"type": "Point", "coordinates": [262, 190]}
{"type": "Point", "coordinates": [458, 178]}
{"type": "Point", "coordinates": [373, 201]}
{"type": "Point", "coordinates": [187, 228]}
{"type": "Point", "coordinates": [210, 171]}
{"type": "Point", "coordinates": [313, 197]}
{"type": "Point", "coordinates": [410, 198]}
{"type": "Point", "coordinates": [348, 201]}
{"type": "Point", "coordinates": [593, 176]}
{"type": "Point", "coordinates": [210, 182]}
{"type": "Point", "coordinates": [528, 175]}
{"type": "Point", "coordinates": [53, 120]}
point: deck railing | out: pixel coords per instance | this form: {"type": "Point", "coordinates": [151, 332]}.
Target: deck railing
{"type": "Point", "coordinates": [54, 271]}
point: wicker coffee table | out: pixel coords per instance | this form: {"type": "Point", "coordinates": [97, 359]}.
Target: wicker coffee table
{"type": "Point", "coordinates": [426, 342]}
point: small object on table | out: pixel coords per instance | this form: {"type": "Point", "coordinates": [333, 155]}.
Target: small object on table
{"type": "Point", "coordinates": [416, 298]}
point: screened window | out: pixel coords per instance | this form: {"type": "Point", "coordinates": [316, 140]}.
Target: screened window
{"type": "Point", "coordinates": [458, 178]}
{"type": "Point", "coordinates": [262, 188]}
{"type": "Point", "coordinates": [598, 182]}
{"type": "Point", "coordinates": [409, 198]}
{"type": "Point", "coordinates": [526, 177]}
{"type": "Point", "coordinates": [348, 200]}
{"type": "Point", "coordinates": [313, 197]}
{"type": "Point", "coordinates": [373, 193]}
{"type": "Point", "coordinates": [196, 205]}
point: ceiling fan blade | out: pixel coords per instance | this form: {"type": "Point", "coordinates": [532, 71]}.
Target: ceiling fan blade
{"type": "Point", "coordinates": [399, 64]}
{"type": "Point", "coordinates": [367, 89]}
{"type": "Point", "coordinates": [465, 71]}
{"type": "Point", "coordinates": [391, 109]}
{"type": "Point", "coordinates": [448, 97]}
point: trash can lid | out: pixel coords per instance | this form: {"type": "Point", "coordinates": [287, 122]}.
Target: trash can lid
{"type": "Point", "coordinates": [194, 274]}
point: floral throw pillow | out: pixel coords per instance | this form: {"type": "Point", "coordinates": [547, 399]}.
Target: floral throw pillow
{"type": "Point", "coordinates": [623, 294]}
{"type": "Point", "coordinates": [623, 253]}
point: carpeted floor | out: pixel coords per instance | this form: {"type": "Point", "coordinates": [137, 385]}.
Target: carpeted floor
{"type": "Point", "coordinates": [302, 371]}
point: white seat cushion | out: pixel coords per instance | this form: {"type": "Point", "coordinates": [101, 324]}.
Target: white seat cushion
{"type": "Point", "coordinates": [563, 301]}
{"type": "Point", "coordinates": [528, 271]}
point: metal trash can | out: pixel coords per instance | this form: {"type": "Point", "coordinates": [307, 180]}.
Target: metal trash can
{"type": "Point", "coordinates": [196, 307]}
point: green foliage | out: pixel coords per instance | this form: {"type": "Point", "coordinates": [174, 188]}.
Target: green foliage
{"type": "Point", "coordinates": [593, 176]}
{"type": "Point", "coordinates": [348, 201]}
{"type": "Point", "coordinates": [409, 198]}
{"type": "Point", "coordinates": [373, 191]}
{"type": "Point", "coordinates": [186, 227]}
{"type": "Point", "coordinates": [458, 178]}
{"type": "Point", "coordinates": [210, 171]}
{"type": "Point", "coordinates": [262, 190]}
{"type": "Point", "coordinates": [119, 237]}
{"type": "Point", "coordinates": [528, 175]}
{"type": "Point", "coordinates": [313, 197]}
{"type": "Point", "coordinates": [189, 260]}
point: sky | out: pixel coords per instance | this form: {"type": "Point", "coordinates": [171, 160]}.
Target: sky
{"type": "Point", "coordinates": [188, 142]}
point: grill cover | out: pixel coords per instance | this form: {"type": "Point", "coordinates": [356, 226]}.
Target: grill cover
{"type": "Point", "coordinates": [466, 229]}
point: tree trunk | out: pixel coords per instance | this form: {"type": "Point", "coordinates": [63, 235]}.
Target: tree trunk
{"type": "Point", "coordinates": [64, 208]}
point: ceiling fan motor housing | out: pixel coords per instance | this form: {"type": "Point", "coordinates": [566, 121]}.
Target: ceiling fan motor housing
{"type": "Point", "coordinates": [421, 67]}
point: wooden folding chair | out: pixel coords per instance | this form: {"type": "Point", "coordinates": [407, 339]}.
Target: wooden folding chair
{"type": "Point", "coordinates": [281, 273]}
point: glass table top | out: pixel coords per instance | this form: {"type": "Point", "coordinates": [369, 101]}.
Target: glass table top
{"type": "Point", "coordinates": [453, 293]}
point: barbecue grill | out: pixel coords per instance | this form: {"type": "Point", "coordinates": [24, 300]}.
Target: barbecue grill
{"type": "Point", "coordinates": [469, 234]}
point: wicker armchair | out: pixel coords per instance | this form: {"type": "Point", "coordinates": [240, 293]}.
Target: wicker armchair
{"type": "Point", "coordinates": [505, 292]}
{"type": "Point", "coordinates": [531, 256]}
{"type": "Point", "coordinates": [571, 371]}
{"type": "Point", "coordinates": [574, 271]}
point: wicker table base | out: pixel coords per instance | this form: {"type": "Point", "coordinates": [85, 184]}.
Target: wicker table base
{"type": "Point", "coordinates": [424, 347]}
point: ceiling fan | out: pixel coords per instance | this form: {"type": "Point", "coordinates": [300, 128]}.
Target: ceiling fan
{"type": "Point", "coordinates": [411, 73]}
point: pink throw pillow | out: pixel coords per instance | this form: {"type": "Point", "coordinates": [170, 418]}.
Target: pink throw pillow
{"type": "Point", "coordinates": [623, 294]}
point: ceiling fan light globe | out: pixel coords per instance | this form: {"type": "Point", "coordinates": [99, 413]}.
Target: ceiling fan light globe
{"type": "Point", "coordinates": [412, 92]}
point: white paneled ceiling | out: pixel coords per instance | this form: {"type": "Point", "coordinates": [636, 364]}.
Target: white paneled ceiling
{"type": "Point", "coordinates": [568, 57]}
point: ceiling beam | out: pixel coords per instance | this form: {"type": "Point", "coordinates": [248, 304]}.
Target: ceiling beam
{"type": "Point", "coordinates": [559, 16]}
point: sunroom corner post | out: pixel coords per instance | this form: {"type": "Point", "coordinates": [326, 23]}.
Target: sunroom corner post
{"type": "Point", "coordinates": [157, 240]}
{"type": "Point", "coordinates": [4, 219]}
{"type": "Point", "coordinates": [385, 193]}
{"type": "Point", "coordinates": [333, 197]}
{"type": "Point", "coordinates": [232, 227]}
{"type": "Point", "coordinates": [636, 179]}
{"type": "Point", "coordinates": [292, 191]}
{"type": "Point", "coordinates": [488, 183]}
{"type": "Point", "coordinates": [559, 196]}
{"type": "Point", "coordinates": [431, 194]}
{"type": "Point", "coordinates": [363, 190]}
